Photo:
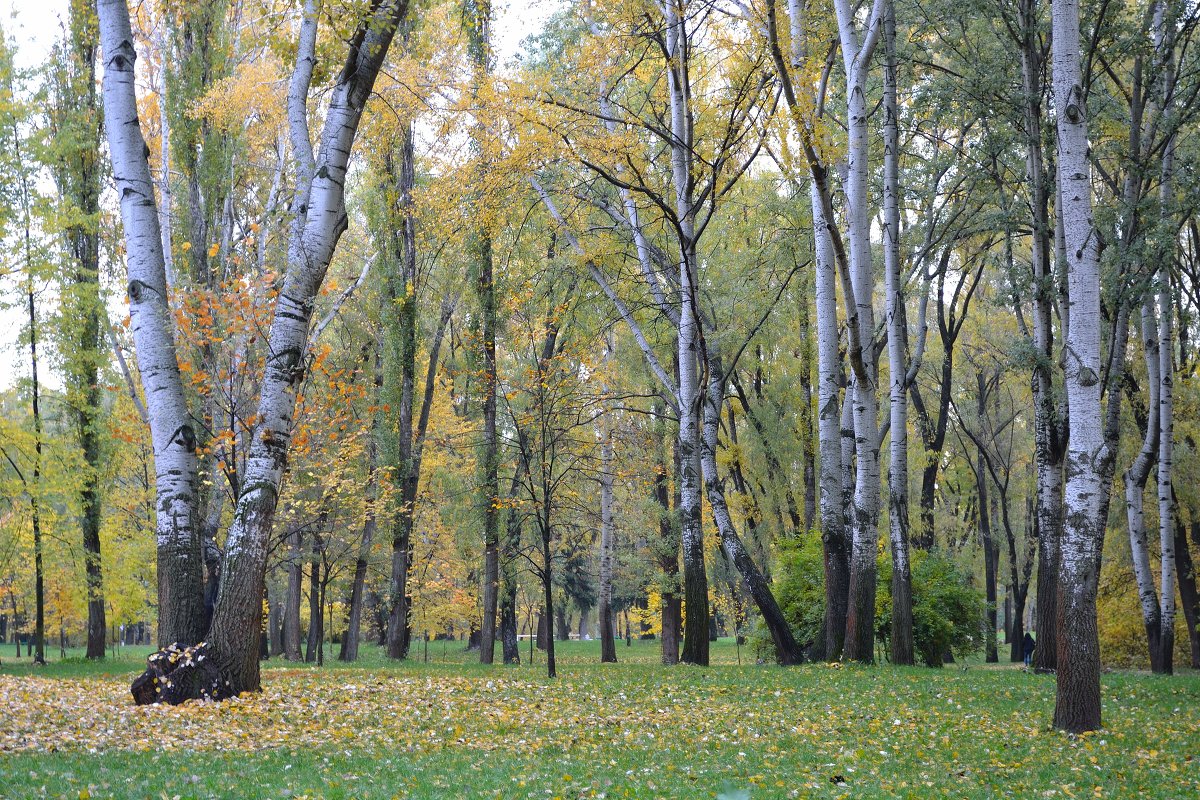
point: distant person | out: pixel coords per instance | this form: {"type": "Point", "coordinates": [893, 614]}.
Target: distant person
{"type": "Point", "coordinates": [1029, 645]}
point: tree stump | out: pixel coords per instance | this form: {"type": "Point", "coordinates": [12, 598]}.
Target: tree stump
{"type": "Point", "coordinates": [177, 674]}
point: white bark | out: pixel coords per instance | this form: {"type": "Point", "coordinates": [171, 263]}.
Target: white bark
{"type": "Point", "coordinates": [180, 568]}
{"type": "Point", "coordinates": [860, 620]}
{"type": "Point", "coordinates": [319, 218]}
{"type": "Point", "coordinates": [1078, 697]}
{"type": "Point", "coordinates": [1139, 472]}
{"type": "Point", "coordinates": [1164, 42]}
{"type": "Point", "coordinates": [902, 635]}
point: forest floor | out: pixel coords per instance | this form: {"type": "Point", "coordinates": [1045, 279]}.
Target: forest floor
{"type": "Point", "coordinates": [453, 729]}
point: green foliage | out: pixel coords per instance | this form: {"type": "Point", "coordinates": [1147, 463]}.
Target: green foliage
{"type": "Point", "coordinates": [947, 613]}
{"type": "Point", "coordinates": [800, 591]}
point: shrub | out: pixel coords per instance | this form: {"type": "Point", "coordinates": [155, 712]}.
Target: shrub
{"type": "Point", "coordinates": [947, 613]}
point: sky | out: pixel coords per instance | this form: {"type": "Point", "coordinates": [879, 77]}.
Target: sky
{"type": "Point", "coordinates": [34, 24]}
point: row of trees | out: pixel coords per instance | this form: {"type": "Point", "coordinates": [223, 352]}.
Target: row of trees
{"type": "Point", "coordinates": [605, 326]}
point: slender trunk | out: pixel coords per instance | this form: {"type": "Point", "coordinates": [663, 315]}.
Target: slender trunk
{"type": "Point", "coordinates": [991, 559]}
{"type": "Point", "coordinates": [75, 118]}
{"type": "Point", "coordinates": [695, 578]}
{"type": "Point", "coordinates": [1049, 438]}
{"type": "Point", "coordinates": [1189, 598]}
{"type": "Point", "coordinates": [667, 547]}
{"type": "Point", "coordinates": [1077, 706]}
{"type": "Point", "coordinates": [829, 436]}
{"type": "Point", "coordinates": [1166, 401]}
{"type": "Point", "coordinates": [349, 649]}
{"type": "Point", "coordinates": [902, 613]}
{"type": "Point", "coordinates": [1135, 487]}
{"type": "Point", "coordinates": [315, 610]}
{"type": "Point", "coordinates": [786, 649]}
{"type": "Point", "coordinates": [608, 649]}
{"type": "Point", "coordinates": [291, 604]}
{"type": "Point", "coordinates": [860, 617]}
{"type": "Point", "coordinates": [547, 593]}
{"type": "Point", "coordinates": [478, 14]}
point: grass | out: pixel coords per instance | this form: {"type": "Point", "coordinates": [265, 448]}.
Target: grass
{"type": "Point", "coordinates": [452, 728]}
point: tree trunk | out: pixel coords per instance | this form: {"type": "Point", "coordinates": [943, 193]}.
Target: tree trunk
{"type": "Point", "coordinates": [1135, 487]}
{"type": "Point", "coordinates": [291, 604]}
{"type": "Point", "coordinates": [1049, 436]}
{"type": "Point", "coordinates": [786, 649]}
{"type": "Point", "coordinates": [316, 627]}
{"type": "Point", "coordinates": [478, 14]}
{"type": "Point", "coordinates": [902, 619]}
{"type": "Point", "coordinates": [667, 547]}
{"type": "Point", "coordinates": [349, 649]}
{"type": "Point", "coordinates": [829, 435]}
{"type": "Point", "coordinates": [275, 628]}
{"type": "Point", "coordinates": [1188, 596]}
{"type": "Point", "coordinates": [1077, 706]}
{"type": "Point", "coordinates": [860, 617]}
{"type": "Point", "coordinates": [180, 568]}
{"type": "Point", "coordinates": [319, 218]}
{"type": "Point", "coordinates": [608, 648]}
{"type": "Point", "coordinates": [75, 120]}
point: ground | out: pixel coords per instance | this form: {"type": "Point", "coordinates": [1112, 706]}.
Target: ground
{"type": "Point", "coordinates": [452, 729]}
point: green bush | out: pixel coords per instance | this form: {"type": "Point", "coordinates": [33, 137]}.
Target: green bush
{"type": "Point", "coordinates": [799, 588]}
{"type": "Point", "coordinates": [947, 613]}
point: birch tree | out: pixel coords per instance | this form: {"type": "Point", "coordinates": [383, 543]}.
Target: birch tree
{"type": "Point", "coordinates": [1077, 703]}
{"type": "Point", "coordinates": [180, 566]}
{"type": "Point", "coordinates": [318, 218]}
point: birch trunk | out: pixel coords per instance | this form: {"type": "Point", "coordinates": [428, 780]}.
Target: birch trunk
{"type": "Point", "coordinates": [1077, 706]}
{"type": "Point", "coordinates": [1049, 439]}
{"type": "Point", "coordinates": [1135, 486]}
{"type": "Point", "coordinates": [319, 220]}
{"type": "Point", "coordinates": [860, 617]}
{"type": "Point", "coordinates": [695, 578]}
{"type": "Point", "coordinates": [180, 567]}
{"type": "Point", "coordinates": [786, 649]}
{"type": "Point", "coordinates": [902, 620]}
{"type": "Point", "coordinates": [829, 436]}
{"type": "Point", "coordinates": [1164, 24]}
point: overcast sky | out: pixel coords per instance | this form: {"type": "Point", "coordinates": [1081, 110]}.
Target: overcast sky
{"type": "Point", "coordinates": [34, 24]}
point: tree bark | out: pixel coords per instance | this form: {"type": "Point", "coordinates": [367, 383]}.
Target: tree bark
{"type": "Point", "coordinates": [180, 567]}
{"type": "Point", "coordinates": [76, 123]}
{"type": "Point", "coordinates": [608, 647]}
{"type": "Point", "coordinates": [1077, 706]}
{"type": "Point", "coordinates": [786, 649]}
{"type": "Point", "coordinates": [829, 436]}
{"type": "Point", "coordinates": [860, 617]}
{"type": "Point", "coordinates": [902, 613]}
{"type": "Point", "coordinates": [319, 218]}
{"type": "Point", "coordinates": [349, 648]}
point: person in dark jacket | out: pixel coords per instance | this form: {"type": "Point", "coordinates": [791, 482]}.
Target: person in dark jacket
{"type": "Point", "coordinates": [1029, 646]}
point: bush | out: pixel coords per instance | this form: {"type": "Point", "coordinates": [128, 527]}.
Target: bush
{"type": "Point", "coordinates": [799, 588]}
{"type": "Point", "coordinates": [947, 613]}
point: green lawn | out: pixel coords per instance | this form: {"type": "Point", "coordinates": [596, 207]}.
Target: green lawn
{"type": "Point", "coordinates": [451, 729]}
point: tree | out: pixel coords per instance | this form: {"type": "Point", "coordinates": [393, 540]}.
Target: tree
{"type": "Point", "coordinates": [75, 158]}
{"type": "Point", "coordinates": [1077, 703]}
